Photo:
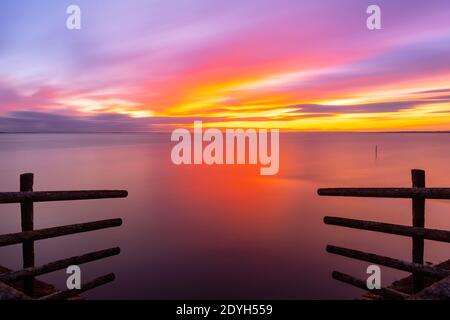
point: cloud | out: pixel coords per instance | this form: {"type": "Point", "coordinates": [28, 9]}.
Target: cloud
{"type": "Point", "coordinates": [18, 98]}
{"type": "Point", "coordinates": [301, 111]}
{"type": "Point", "coordinates": [46, 122]}
{"type": "Point", "coordinates": [8, 96]}
{"type": "Point", "coordinates": [28, 121]}
{"type": "Point", "coordinates": [360, 108]}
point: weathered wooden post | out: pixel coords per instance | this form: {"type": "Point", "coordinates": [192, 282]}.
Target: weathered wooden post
{"type": "Point", "coordinates": [31, 286]}
{"type": "Point", "coordinates": [26, 210]}
{"type": "Point", "coordinates": [417, 193]}
{"type": "Point", "coordinates": [418, 216]}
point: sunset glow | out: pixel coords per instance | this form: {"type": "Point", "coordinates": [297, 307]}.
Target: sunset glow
{"type": "Point", "coordinates": [293, 65]}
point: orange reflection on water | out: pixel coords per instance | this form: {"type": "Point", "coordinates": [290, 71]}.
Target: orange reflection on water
{"type": "Point", "coordinates": [225, 231]}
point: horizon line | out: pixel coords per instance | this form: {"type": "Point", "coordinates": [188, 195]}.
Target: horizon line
{"type": "Point", "coordinates": [281, 131]}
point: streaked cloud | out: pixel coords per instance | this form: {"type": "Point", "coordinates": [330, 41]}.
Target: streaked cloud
{"type": "Point", "coordinates": [292, 64]}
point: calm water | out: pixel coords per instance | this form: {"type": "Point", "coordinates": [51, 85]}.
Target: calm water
{"type": "Point", "coordinates": [222, 232]}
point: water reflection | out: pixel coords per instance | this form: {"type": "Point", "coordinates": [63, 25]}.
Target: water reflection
{"type": "Point", "coordinates": [223, 231]}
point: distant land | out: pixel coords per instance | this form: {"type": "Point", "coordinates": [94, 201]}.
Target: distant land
{"type": "Point", "coordinates": [148, 132]}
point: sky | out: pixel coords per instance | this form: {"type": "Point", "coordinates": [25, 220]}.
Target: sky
{"type": "Point", "coordinates": [151, 65]}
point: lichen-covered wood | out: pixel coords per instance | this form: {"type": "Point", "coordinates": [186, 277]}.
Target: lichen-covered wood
{"type": "Point", "coordinates": [430, 234]}
{"type": "Point", "coordinates": [58, 265]}
{"type": "Point", "coordinates": [427, 193]}
{"type": "Point", "coordinates": [44, 196]}
{"type": "Point", "coordinates": [14, 238]}
{"type": "Point", "coordinates": [389, 262]}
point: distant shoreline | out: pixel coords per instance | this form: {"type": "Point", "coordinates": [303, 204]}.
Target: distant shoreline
{"type": "Point", "coordinates": [287, 131]}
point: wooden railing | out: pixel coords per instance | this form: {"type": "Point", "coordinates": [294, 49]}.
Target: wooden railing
{"type": "Point", "coordinates": [26, 197]}
{"type": "Point", "coordinates": [418, 193]}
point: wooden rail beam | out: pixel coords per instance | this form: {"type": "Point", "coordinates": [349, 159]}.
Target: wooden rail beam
{"type": "Point", "coordinates": [43, 196]}
{"type": "Point", "coordinates": [430, 234]}
{"type": "Point", "coordinates": [15, 238]}
{"type": "Point", "coordinates": [384, 292]}
{"type": "Point", "coordinates": [426, 193]}
{"type": "Point", "coordinates": [389, 262]}
{"type": "Point", "coordinates": [63, 295]}
{"type": "Point", "coordinates": [58, 265]}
